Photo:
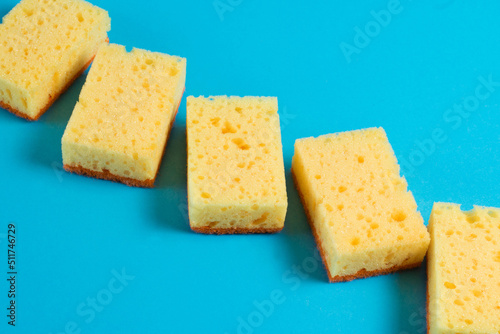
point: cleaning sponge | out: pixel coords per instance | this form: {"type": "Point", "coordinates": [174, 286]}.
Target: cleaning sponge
{"type": "Point", "coordinates": [365, 221]}
{"type": "Point", "coordinates": [236, 177]}
{"type": "Point", "coordinates": [119, 127]}
{"type": "Point", "coordinates": [464, 270]}
{"type": "Point", "coordinates": [44, 46]}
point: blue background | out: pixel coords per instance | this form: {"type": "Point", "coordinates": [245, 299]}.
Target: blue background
{"type": "Point", "coordinates": [75, 233]}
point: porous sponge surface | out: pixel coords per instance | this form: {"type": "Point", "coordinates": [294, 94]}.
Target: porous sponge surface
{"type": "Point", "coordinates": [358, 203]}
{"type": "Point", "coordinates": [236, 173]}
{"type": "Point", "coordinates": [43, 45]}
{"type": "Point", "coordinates": [125, 109]}
{"type": "Point", "coordinates": [464, 270]}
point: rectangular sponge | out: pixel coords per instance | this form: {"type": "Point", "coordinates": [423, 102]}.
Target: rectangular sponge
{"type": "Point", "coordinates": [119, 127]}
{"type": "Point", "coordinates": [44, 46]}
{"type": "Point", "coordinates": [463, 268]}
{"type": "Point", "coordinates": [236, 176]}
{"type": "Point", "coordinates": [364, 220]}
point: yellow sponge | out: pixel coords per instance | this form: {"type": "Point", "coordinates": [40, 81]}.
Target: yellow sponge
{"type": "Point", "coordinates": [236, 177]}
{"type": "Point", "coordinates": [464, 270]}
{"type": "Point", "coordinates": [365, 221]}
{"type": "Point", "coordinates": [119, 127]}
{"type": "Point", "coordinates": [44, 46]}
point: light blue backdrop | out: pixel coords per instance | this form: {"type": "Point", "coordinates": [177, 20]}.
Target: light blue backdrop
{"type": "Point", "coordinates": [99, 257]}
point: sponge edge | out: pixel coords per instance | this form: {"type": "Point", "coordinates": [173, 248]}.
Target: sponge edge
{"type": "Point", "coordinates": [236, 179]}
{"type": "Point", "coordinates": [463, 268]}
{"type": "Point", "coordinates": [44, 47]}
{"type": "Point", "coordinates": [364, 219]}
{"type": "Point", "coordinates": [119, 127]}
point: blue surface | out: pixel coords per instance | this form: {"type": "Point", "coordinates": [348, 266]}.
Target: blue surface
{"type": "Point", "coordinates": [75, 235]}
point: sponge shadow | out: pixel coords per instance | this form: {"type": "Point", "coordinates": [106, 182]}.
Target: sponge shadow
{"type": "Point", "coordinates": [170, 192]}
{"type": "Point", "coordinates": [46, 149]}
{"type": "Point", "coordinates": [412, 300]}
{"type": "Point", "coordinates": [4, 10]}
{"type": "Point", "coordinates": [298, 234]}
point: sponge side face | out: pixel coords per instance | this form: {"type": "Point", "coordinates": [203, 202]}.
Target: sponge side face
{"type": "Point", "coordinates": [127, 105]}
{"type": "Point", "coordinates": [236, 179]}
{"type": "Point", "coordinates": [363, 216]}
{"type": "Point", "coordinates": [44, 44]}
{"type": "Point", "coordinates": [463, 270]}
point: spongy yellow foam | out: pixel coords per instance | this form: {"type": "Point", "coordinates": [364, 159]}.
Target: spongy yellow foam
{"type": "Point", "coordinates": [358, 204]}
{"type": "Point", "coordinates": [464, 270]}
{"type": "Point", "coordinates": [123, 116]}
{"type": "Point", "coordinates": [43, 45]}
{"type": "Point", "coordinates": [236, 174]}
